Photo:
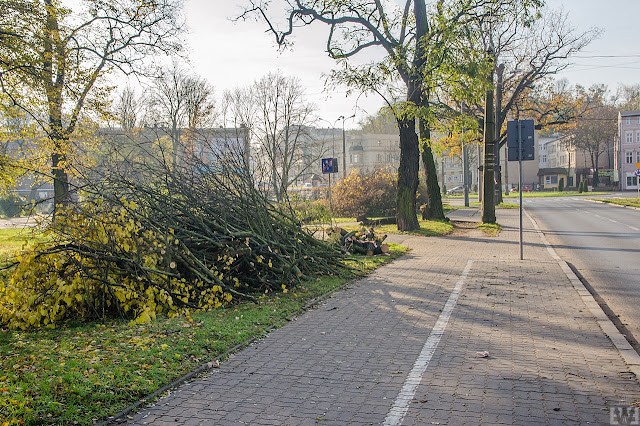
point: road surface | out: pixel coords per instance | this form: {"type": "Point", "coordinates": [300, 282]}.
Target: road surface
{"type": "Point", "coordinates": [602, 242]}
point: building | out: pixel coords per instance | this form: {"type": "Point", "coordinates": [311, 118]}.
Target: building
{"type": "Point", "coordinates": [559, 160]}
{"type": "Point", "coordinates": [627, 148]}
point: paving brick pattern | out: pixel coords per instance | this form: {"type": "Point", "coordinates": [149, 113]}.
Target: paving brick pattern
{"type": "Point", "coordinates": [346, 361]}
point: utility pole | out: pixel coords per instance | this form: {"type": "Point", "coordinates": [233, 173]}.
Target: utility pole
{"type": "Point", "coordinates": [344, 147]}
{"type": "Point", "coordinates": [496, 149]}
{"type": "Point", "coordinates": [488, 200]}
{"type": "Point", "coordinates": [465, 164]}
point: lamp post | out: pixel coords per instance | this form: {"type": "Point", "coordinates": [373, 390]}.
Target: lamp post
{"type": "Point", "coordinates": [344, 146]}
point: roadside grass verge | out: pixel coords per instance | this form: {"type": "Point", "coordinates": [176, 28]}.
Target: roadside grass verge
{"type": "Point", "coordinates": [544, 194]}
{"type": "Point", "coordinates": [490, 229]}
{"type": "Point", "coordinates": [630, 202]}
{"type": "Point", "coordinates": [429, 228]}
{"type": "Point", "coordinates": [81, 373]}
{"type": "Point", "coordinates": [499, 206]}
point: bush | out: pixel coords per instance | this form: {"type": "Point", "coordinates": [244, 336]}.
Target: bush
{"type": "Point", "coordinates": [561, 185]}
{"type": "Point", "coordinates": [312, 211]}
{"type": "Point", "coordinates": [585, 186]}
{"type": "Point", "coordinates": [581, 187]}
{"type": "Point", "coordinates": [371, 195]}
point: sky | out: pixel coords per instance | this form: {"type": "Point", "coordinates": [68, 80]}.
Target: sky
{"type": "Point", "coordinates": [234, 54]}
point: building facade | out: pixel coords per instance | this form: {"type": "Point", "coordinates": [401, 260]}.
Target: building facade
{"type": "Point", "coordinates": [628, 149]}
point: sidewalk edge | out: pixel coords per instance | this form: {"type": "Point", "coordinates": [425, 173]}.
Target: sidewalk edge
{"type": "Point", "coordinates": [628, 354]}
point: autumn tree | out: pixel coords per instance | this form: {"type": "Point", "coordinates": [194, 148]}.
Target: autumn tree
{"type": "Point", "coordinates": [596, 129]}
{"type": "Point", "coordinates": [54, 61]}
{"type": "Point", "coordinates": [416, 40]}
{"type": "Point", "coordinates": [528, 45]}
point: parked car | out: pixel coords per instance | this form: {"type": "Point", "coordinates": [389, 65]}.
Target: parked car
{"type": "Point", "coordinates": [456, 190]}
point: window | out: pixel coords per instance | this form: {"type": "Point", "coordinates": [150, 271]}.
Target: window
{"type": "Point", "coordinates": [629, 157]}
{"type": "Point", "coordinates": [638, 120]}
{"type": "Point", "coordinates": [638, 136]}
{"type": "Point", "coordinates": [554, 180]}
{"type": "Point", "coordinates": [544, 158]}
{"type": "Point", "coordinates": [379, 158]}
{"type": "Point", "coordinates": [632, 181]}
{"type": "Point", "coordinates": [629, 136]}
{"type": "Point", "coordinates": [547, 180]}
{"type": "Point", "coordinates": [628, 120]}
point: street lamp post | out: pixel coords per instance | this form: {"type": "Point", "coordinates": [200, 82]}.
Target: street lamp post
{"type": "Point", "coordinates": [344, 146]}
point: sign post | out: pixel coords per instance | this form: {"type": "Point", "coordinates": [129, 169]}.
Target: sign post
{"type": "Point", "coordinates": [329, 166]}
{"type": "Point", "coordinates": [521, 147]}
{"type": "Point", "coordinates": [637, 173]}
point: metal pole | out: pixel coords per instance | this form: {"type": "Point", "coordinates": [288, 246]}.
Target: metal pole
{"type": "Point", "coordinates": [330, 208]}
{"type": "Point", "coordinates": [344, 152]}
{"type": "Point", "coordinates": [465, 172]}
{"type": "Point", "coordinates": [520, 178]}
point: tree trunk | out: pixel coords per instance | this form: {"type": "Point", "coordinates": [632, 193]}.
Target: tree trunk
{"type": "Point", "coordinates": [488, 199]}
{"type": "Point", "coordinates": [434, 199]}
{"type": "Point", "coordinates": [61, 195]}
{"type": "Point", "coordinates": [406, 218]}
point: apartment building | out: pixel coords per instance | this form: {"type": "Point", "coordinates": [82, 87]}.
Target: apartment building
{"type": "Point", "coordinates": [628, 149]}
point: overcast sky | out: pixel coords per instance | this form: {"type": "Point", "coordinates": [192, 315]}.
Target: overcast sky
{"type": "Point", "coordinates": [231, 54]}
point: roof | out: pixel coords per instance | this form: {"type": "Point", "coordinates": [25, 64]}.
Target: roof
{"type": "Point", "coordinates": [629, 113]}
{"type": "Point", "coordinates": [553, 171]}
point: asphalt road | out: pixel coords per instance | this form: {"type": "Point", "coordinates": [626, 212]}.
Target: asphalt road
{"type": "Point", "coordinates": [603, 243]}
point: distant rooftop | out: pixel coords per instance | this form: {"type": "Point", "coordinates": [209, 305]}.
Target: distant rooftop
{"type": "Point", "coordinates": [629, 113]}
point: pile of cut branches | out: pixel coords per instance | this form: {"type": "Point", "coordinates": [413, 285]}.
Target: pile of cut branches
{"type": "Point", "coordinates": [362, 241]}
{"type": "Point", "coordinates": [163, 240]}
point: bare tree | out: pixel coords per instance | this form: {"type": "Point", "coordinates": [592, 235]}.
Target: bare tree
{"type": "Point", "coordinates": [54, 67]}
{"type": "Point", "coordinates": [179, 101]}
{"type": "Point", "coordinates": [281, 131]}
{"type": "Point", "coordinates": [128, 108]}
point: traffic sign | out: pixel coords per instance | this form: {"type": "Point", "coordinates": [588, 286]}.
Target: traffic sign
{"type": "Point", "coordinates": [524, 129]}
{"type": "Point", "coordinates": [637, 173]}
{"type": "Point", "coordinates": [637, 165]}
{"type": "Point", "coordinates": [329, 165]}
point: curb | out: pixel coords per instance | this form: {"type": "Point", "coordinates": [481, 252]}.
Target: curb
{"type": "Point", "coordinates": [628, 354]}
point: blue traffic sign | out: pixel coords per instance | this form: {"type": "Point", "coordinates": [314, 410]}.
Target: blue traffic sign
{"type": "Point", "coordinates": [637, 172]}
{"type": "Point", "coordinates": [329, 165]}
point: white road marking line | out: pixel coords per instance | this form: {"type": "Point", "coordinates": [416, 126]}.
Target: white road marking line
{"type": "Point", "coordinates": [408, 391]}
{"type": "Point", "coordinates": [633, 227]}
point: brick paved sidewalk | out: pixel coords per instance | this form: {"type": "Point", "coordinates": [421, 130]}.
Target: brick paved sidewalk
{"type": "Point", "coordinates": [371, 354]}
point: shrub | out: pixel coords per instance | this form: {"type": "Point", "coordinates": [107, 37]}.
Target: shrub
{"type": "Point", "coordinates": [561, 185]}
{"type": "Point", "coordinates": [312, 211]}
{"type": "Point", "coordinates": [581, 187]}
{"type": "Point", "coordinates": [371, 195]}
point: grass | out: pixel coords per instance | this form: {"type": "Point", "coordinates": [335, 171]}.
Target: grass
{"type": "Point", "coordinates": [13, 240]}
{"type": "Point", "coordinates": [545, 194]}
{"type": "Point", "coordinates": [499, 206]}
{"type": "Point", "coordinates": [80, 373]}
{"type": "Point", "coordinates": [429, 228]}
{"type": "Point", "coordinates": [631, 202]}
{"type": "Point", "coordinates": [491, 229]}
